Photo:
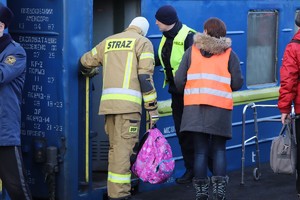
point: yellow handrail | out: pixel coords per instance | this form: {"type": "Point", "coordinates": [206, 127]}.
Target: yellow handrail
{"type": "Point", "coordinates": [87, 93]}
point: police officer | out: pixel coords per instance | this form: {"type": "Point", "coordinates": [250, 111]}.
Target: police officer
{"type": "Point", "coordinates": [177, 37]}
{"type": "Point", "coordinates": [12, 77]}
{"type": "Point", "coordinates": [128, 64]}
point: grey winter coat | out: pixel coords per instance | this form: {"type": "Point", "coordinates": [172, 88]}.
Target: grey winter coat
{"type": "Point", "coordinates": [204, 118]}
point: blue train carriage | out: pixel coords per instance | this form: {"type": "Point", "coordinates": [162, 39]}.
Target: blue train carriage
{"type": "Point", "coordinates": [64, 145]}
{"type": "Point", "coordinates": [259, 31]}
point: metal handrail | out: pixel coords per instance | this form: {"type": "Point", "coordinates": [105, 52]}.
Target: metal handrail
{"type": "Point", "coordinates": [255, 137]}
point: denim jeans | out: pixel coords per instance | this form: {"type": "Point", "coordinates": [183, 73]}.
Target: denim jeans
{"type": "Point", "coordinates": [210, 152]}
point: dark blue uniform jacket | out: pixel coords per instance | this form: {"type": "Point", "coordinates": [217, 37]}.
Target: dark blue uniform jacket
{"type": "Point", "coordinates": [12, 77]}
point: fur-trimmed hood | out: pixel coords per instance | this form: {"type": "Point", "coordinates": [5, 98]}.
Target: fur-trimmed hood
{"type": "Point", "coordinates": [210, 44]}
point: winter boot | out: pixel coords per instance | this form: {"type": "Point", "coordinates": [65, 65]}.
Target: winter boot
{"type": "Point", "coordinates": [201, 186]}
{"type": "Point", "coordinates": [187, 177]}
{"type": "Point", "coordinates": [219, 184]}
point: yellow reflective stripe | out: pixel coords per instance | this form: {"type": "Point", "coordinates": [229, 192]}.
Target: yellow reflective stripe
{"type": "Point", "coordinates": [128, 69]}
{"type": "Point", "coordinates": [147, 55]}
{"type": "Point", "coordinates": [124, 97]}
{"type": "Point", "coordinates": [104, 70]}
{"type": "Point", "coordinates": [122, 94]}
{"type": "Point", "coordinates": [150, 97]}
{"type": "Point", "coordinates": [118, 178]}
{"type": "Point", "coordinates": [94, 51]}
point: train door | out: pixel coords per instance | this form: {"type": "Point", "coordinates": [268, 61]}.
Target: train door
{"type": "Point", "coordinates": [109, 17]}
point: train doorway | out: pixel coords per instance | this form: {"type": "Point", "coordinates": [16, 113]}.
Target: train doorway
{"type": "Point", "coordinates": [109, 17]}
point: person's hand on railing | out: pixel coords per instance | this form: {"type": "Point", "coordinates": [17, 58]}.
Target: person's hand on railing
{"type": "Point", "coordinates": [154, 117]}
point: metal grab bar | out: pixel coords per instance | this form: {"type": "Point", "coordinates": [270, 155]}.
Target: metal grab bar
{"type": "Point", "coordinates": [256, 171]}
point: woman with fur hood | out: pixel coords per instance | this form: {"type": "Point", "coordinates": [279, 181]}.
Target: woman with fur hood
{"type": "Point", "coordinates": [207, 75]}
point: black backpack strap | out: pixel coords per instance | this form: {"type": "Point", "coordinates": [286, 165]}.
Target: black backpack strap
{"type": "Point", "coordinates": [295, 41]}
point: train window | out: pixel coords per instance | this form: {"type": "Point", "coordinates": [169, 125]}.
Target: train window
{"type": "Point", "coordinates": [296, 27]}
{"type": "Point", "coordinates": [261, 48]}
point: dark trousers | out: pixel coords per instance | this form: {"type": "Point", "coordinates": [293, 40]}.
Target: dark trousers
{"type": "Point", "coordinates": [209, 147]}
{"type": "Point", "coordinates": [12, 173]}
{"type": "Point", "coordinates": [185, 139]}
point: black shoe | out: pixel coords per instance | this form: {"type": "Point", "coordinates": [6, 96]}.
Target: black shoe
{"type": "Point", "coordinates": [187, 177]}
{"type": "Point", "coordinates": [131, 198]}
{"type": "Point", "coordinates": [135, 198]}
{"type": "Point", "coordinates": [123, 198]}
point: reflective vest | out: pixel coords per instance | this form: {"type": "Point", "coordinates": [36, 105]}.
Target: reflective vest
{"type": "Point", "coordinates": [208, 80]}
{"type": "Point", "coordinates": [177, 49]}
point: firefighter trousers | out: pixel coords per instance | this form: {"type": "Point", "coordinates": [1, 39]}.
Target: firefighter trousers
{"type": "Point", "coordinates": [123, 133]}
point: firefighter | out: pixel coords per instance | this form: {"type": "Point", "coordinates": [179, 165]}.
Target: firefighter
{"type": "Point", "coordinates": [127, 61]}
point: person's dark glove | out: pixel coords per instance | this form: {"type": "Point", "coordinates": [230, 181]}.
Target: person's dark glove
{"type": "Point", "coordinates": [90, 72]}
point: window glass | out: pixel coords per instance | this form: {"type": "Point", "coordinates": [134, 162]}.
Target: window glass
{"type": "Point", "coordinates": [296, 27]}
{"type": "Point", "coordinates": [261, 49]}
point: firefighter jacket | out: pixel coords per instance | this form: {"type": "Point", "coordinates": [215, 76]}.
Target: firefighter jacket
{"type": "Point", "coordinates": [289, 91]}
{"type": "Point", "coordinates": [208, 80]}
{"type": "Point", "coordinates": [12, 78]}
{"type": "Point", "coordinates": [128, 64]}
{"type": "Point", "coordinates": [177, 51]}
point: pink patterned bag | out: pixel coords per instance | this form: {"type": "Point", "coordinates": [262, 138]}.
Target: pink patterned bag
{"type": "Point", "coordinates": [154, 162]}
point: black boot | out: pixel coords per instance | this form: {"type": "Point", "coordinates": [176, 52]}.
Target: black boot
{"type": "Point", "coordinates": [202, 188]}
{"type": "Point", "coordinates": [219, 184]}
{"type": "Point", "coordinates": [187, 177]}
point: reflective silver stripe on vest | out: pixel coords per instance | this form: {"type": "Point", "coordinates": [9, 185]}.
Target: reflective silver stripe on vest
{"type": "Point", "coordinates": [214, 77]}
{"type": "Point", "coordinates": [219, 93]}
{"type": "Point", "coordinates": [122, 91]}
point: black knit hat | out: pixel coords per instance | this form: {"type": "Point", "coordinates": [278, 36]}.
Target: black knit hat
{"type": "Point", "coordinates": [6, 15]}
{"type": "Point", "coordinates": [166, 15]}
{"type": "Point", "coordinates": [297, 20]}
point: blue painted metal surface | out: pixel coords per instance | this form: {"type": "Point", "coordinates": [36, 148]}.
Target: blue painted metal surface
{"type": "Point", "coordinates": [234, 14]}
{"type": "Point", "coordinates": [56, 33]}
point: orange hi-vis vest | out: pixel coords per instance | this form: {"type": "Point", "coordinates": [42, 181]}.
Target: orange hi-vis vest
{"type": "Point", "coordinates": [208, 80]}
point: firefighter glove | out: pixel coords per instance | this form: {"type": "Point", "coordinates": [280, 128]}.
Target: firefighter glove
{"type": "Point", "coordinates": [89, 72]}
